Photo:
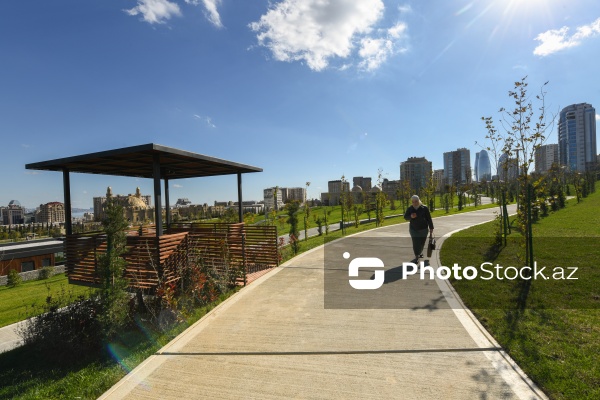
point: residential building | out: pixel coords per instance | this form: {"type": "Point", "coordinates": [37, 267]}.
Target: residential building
{"type": "Point", "coordinates": [577, 137]}
{"type": "Point", "coordinates": [417, 171]}
{"type": "Point", "coordinates": [438, 180]}
{"type": "Point", "coordinates": [507, 168]}
{"type": "Point", "coordinates": [183, 202]}
{"type": "Point", "coordinates": [273, 198]}
{"type": "Point", "coordinates": [362, 182]}
{"type": "Point", "coordinates": [293, 194]}
{"type": "Point", "coordinates": [50, 213]}
{"type": "Point", "coordinates": [457, 166]}
{"type": "Point", "coordinates": [332, 197]}
{"type": "Point", "coordinates": [545, 156]}
{"type": "Point", "coordinates": [390, 188]}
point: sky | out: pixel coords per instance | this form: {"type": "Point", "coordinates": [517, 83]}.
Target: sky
{"type": "Point", "coordinates": [307, 90]}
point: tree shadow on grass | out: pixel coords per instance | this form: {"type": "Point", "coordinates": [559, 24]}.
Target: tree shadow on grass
{"type": "Point", "coordinates": [28, 370]}
{"type": "Point", "coordinates": [25, 368]}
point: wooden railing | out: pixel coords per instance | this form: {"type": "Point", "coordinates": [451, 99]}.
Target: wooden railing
{"type": "Point", "coordinates": [226, 248]}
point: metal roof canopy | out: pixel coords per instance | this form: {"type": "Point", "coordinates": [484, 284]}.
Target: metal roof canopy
{"type": "Point", "coordinates": [147, 161]}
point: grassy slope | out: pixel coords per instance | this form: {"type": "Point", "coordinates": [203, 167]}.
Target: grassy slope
{"type": "Point", "coordinates": [18, 303]}
{"type": "Point", "coordinates": [551, 328]}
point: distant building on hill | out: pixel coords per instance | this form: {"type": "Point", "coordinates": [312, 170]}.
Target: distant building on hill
{"type": "Point", "coordinates": [14, 214]}
{"type": "Point", "coordinates": [417, 171]}
{"type": "Point", "coordinates": [483, 167]}
{"type": "Point", "coordinates": [577, 137]}
{"type": "Point", "coordinates": [136, 207]}
{"type": "Point", "coordinates": [545, 156]}
{"type": "Point", "coordinates": [457, 166]}
{"type": "Point", "coordinates": [50, 213]}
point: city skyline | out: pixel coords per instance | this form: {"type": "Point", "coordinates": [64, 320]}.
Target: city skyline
{"type": "Point", "coordinates": [381, 82]}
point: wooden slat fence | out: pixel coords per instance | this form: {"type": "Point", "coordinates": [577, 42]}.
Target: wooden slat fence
{"type": "Point", "coordinates": [232, 250]}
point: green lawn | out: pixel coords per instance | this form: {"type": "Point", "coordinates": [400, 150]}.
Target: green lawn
{"type": "Point", "coordinates": [18, 303]}
{"type": "Point", "coordinates": [335, 215]}
{"type": "Point", "coordinates": [551, 328]}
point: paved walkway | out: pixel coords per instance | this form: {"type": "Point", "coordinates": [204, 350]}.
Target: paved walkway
{"type": "Point", "coordinates": [276, 339]}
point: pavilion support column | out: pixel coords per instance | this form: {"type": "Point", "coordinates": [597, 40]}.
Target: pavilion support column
{"type": "Point", "coordinates": [67, 196]}
{"type": "Point", "coordinates": [239, 184]}
{"type": "Point", "coordinates": [167, 204]}
{"type": "Point", "coordinates": [157, 196]}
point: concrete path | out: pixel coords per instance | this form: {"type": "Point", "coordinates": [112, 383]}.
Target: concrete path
{"type": "Point", "coordinates": [296, 333]}
{"type": "Point", "coordinates": [9, 337]}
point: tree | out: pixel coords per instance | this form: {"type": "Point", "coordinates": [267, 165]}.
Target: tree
{"type": "Point", "coordinates": [525, 128]}
{"type": "Point", "coordinates": [113, 291]}
{"type": "Point", "coordinates": [306, 213]}
{"type": "Point", "coordinates": [380, 200]}
{"type": "Point", "coordinates": [292, 211]}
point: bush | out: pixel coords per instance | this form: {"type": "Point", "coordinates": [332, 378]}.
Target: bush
{"type": "Point", "coordinates": [46, 273]}
{"type": "Point", "coordinates": [65, 333]}
{"type": "Point", "coordinates": [13, 279]}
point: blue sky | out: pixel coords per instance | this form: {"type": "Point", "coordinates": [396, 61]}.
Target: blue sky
{"type": "Point", "coordinates": [308, 90]}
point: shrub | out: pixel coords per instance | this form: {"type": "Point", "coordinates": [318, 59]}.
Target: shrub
{"type": "Point", "coordinates": [65, 333]}
{"type": "Point", "coordinates": [46, 273]}
{"type": "Point", "coordinates": [13, 279]}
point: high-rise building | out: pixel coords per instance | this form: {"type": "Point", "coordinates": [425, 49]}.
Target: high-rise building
{"type": "Point", "coordinates": [457, 166]}
{"type": "Point", "coordinates": [507, 168]}
{"type": "Point", "coordinates": [335, 189]}
{"type": "Point", "coordinates": [545, 156]}
{"type": "Point", "coordinates": [438, 179]}
{"type": "Point", "coordinates": [362, 182]}
{"type": "Point", "coordinates": [483, 167]}
{"type": "Point", "coordinates": [293, 194]}
{"type": "Point", "coordinates": [51, 213]}
{"type": "Point", "coordinates": [577, 137]}
{"type": "Point", "coordinates": [273, 198]}
{"type": "Point", "coordinates": [417, 171]}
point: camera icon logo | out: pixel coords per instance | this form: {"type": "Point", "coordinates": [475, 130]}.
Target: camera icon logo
{"type": "Point", "coordinates": [365, 262]}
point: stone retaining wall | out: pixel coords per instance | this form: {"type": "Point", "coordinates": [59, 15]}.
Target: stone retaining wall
{"type": "Point", "coordinates": [32, 275]}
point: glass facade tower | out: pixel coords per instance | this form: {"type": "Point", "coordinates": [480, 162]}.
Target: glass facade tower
{"type": "Point", "coordinates": [577, 137]}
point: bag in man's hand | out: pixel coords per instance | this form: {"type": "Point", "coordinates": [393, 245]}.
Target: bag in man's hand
{"type": "Point", "coordinates": [430, 246]}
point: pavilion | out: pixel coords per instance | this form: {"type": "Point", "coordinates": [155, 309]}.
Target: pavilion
{"type": "Point", "coordinates": [159, 163]}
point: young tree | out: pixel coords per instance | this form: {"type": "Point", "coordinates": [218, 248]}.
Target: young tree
{"type": "Point", "coordinates": [113, 292]}
{"type": "Point", "coordinates": [380, 200]}
{"type": "Point", "coordinates": [306, 213]}
{"type": "Point", "coordinates": [525, 128]}
{"type": "Point", "coordinates": [292, 210]}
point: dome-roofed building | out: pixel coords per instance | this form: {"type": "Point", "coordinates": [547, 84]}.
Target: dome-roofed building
{"type": "Point", "coordinates": [14, 214]}
{"type": "Point", "coordinates": [136, 207]}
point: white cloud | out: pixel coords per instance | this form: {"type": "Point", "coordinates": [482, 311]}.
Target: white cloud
{"type": "Point", "coordinates": [375, 52]}
{"type": "Point", "coordinates": [207, 120]}
{"type": "Point", "coordinates": [405, 8]}
{"type": "Point", "coordinates": [317, 31]}
{"type": "Point", "coordinates": [597, 117]}
{"type": "Point", "coordinates": [211, 12]}
{"type": "Point", "coordinates": [555, 40]}
{"type": "Point", "coordinates": [177, 186]}
{"type": "Point", "coordinates": [155, 11]}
